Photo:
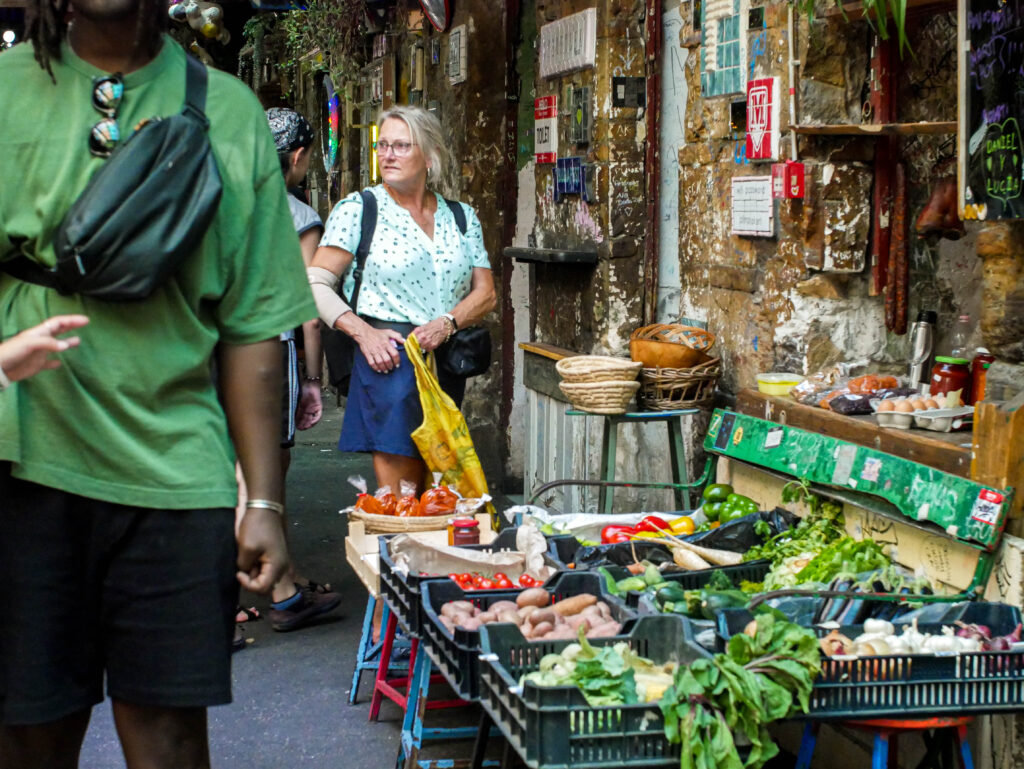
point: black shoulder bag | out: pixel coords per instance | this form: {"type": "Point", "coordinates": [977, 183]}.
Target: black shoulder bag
{"type": "Point", "coordinates": [142, 213]}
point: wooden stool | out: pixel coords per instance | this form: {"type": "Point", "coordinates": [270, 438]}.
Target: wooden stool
{"type": "Point", "coordinates": [676, 448]}
{"type": "Point", "coordinates": [950, 738]}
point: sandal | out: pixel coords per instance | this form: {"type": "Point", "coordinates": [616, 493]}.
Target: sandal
{"type": "Point", "coordinates": [252, 614]}
{"type": "Point", "coordinates": [239, 641]}
{"type": "Point", "coordinates": [314, 587]}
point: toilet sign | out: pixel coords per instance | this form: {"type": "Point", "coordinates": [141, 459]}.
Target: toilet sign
{"type": "Point", "coordinates": [763, 119]}
{"type": "Point", "coordinates": [545, 129]}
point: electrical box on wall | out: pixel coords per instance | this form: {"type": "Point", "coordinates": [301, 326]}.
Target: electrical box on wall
{"type": "Point", "coordinates": [763, 119]}
{"type": "Point", "coordinates": [629, 92]}
{"type": "Point", "coordinates": [568, 44]}
{"type": "Point", "coordinates": [579, 132]}
{"type": "Point", "coordinates": [458, 67]}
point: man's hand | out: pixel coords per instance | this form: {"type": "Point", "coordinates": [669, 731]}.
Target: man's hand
{"type": "Point", "coordinates": [310, 407]}
{"type": "Point", "coordinates": [27, 353]}
{"type": "Point", "coordinates": [262, 550]}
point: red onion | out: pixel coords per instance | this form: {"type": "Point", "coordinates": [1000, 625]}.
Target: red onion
{"type": "Point", "coordinates": [1003, 643]}
{"type": "Point", "coordinates": [976, 632]}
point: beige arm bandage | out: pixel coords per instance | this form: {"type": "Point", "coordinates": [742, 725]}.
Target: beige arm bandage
{"type": "Point", "coordinates": [329, 305]}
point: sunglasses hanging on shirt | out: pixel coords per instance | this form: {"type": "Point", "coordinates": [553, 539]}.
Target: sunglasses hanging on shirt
{"type": "Point", "coordinates": [107, 92]}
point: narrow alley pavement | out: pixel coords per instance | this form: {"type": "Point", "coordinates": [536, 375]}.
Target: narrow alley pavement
{"type": "Point", "coordinates": [291, 689]}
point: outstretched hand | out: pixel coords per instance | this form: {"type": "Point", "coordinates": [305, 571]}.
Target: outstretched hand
{"type": "Point", "coordinates": [310, 407]}
{"type": "Point", "coordinates": [27, 353]}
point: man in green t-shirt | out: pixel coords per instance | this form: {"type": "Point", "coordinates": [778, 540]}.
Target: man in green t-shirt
{"type": "Point", "coordinates": [118, 554]}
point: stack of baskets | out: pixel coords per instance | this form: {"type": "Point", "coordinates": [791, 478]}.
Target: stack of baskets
{"type": "Point", "coordinates": [678, 371]}
{"type": "Point", "coordinates": [598, 383]}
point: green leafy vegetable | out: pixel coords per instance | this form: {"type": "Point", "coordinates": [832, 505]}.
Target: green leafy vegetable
{"type": "Point", "coordinates": [760, 679]}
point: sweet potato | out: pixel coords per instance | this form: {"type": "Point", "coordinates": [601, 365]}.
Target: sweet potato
{"type": "Point", "coordinates": [534, 596]}
{"type": "Point", "coordinates": [544, 615]}
{"type": "Point", "coordinates": [454, 607]}
{"type": "Point", "coordinates": [582, 619]}
{"type": "Point", "coordinates": [605, 610]}
{"type": "Point", "coordinates": [574, 605]}
{"type": "Point", "coordinates": [605, 630]}
{"type": "Point", "coordinates": [527, 611]}
{"type": "Point", "coordinates": [487, 616]}
{"type": "Point", "coordinates": [509, 616]}
{"type": "Point", "coordinates": [470, 624]}
{"type": "Point", "coordinates": [499, 606]}
{"type": "Point", "coordinates": [540, 629]}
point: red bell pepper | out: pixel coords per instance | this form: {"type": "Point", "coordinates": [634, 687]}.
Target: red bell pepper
{"type": "Point", "coordinates": [653, 524]}
{"type": "Point", "coordinates": [616, 533]}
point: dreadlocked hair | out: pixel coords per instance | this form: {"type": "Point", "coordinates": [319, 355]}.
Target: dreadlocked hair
{"type": "Point", "coordinates": [46, 25]}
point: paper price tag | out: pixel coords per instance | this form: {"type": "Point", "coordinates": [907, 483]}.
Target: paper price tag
{"type": "Point", "coordinates": [773, 439]}
{"type": "Point", "coordinates": [987, 506]}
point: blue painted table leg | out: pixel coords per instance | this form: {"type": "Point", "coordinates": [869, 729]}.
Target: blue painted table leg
{"type": "Point", "coordinates": [966, 761]}
{"type": "Point", "coordinates": [880, 754]}
{"type": "Point", "coordinates": [677, 455]}
{"type": "Point", "coordinates": [803, 759]}
{"type": "Point", "coordinates": [364, 652]}
{"type": "Point", "coordinates": [415, 706]}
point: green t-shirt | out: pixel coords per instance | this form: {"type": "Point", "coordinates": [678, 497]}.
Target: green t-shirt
{"type": "Point", "coordinates": [132, 416]}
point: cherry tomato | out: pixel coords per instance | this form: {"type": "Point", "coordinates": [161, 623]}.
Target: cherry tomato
{"type": "Point", "coordinates": [502, 584]}
{"type": "Point", "coordinates": [499, 576]}
{"type": "Point", "coordinates": [453, 577]}
{"type": "Point", "coordinates": [466, 577]}
{"type": "Point", "coordinates": [486, 584]}
{"type": "Point", "coordinates": [525, 580]}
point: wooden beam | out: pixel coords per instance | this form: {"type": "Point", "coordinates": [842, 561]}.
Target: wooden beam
{"type": "Point", "coordinates": [879, 129]}
{"type": "Point", "coordinates": [998, 450]}
{"type": "Point", "coordinates": [939, 450]}
{"type": "Point", "coordinates": [547, 350]}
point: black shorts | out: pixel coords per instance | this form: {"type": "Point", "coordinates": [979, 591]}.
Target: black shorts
{"type": "Point", "coordinates": [145, 597]}
{"type": "Point", "coordinates": [290, 393]}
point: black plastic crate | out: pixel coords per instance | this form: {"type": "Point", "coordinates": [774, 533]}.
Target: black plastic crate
{"type": "Point", "coordinates": [903, 685]}
{"type": "Point", "coordinates": [402, 592]}
{"type": "Point", "coordinates": [754, 571]}
{"type": "Point", "coordinates": [562, 549]}
{"type": "Point", "coordinates": [555, 727]}
{"type": "Point", "coordinates": [456, 654]}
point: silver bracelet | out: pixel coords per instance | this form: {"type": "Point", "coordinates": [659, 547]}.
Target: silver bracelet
{"type": "Point", "coordinates": [265, 504]}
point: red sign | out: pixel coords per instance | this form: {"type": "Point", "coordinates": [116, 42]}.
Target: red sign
{"type": "Point", "coordinates": [545, 129]}
{"type": "Point", "coordinates": [763, 118]}
{"type": "Point", "coordinates": [788, 179]}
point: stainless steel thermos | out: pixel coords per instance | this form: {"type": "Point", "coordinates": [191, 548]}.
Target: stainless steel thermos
{"type": "Point", "coordinates": [922, 340]}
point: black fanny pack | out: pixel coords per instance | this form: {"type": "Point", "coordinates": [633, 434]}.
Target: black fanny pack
{"type": "Point", "coordinates": [145, 210]}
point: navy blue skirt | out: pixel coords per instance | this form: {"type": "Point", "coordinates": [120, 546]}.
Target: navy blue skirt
{"type": "Point", "coordinates": [383, 409]}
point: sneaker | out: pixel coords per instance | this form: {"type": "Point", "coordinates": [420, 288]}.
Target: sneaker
{"type": "Point", "coordinates": [309, 605]}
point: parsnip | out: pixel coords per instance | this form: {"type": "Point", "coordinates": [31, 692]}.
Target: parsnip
{"type": "Point", "coordinates": [717, 557]}
{"type": "Point", "coordinates": [687, 559]}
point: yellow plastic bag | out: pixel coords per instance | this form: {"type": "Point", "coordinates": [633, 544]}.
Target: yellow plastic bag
{"type": "Point", "coordinates": [443, 439]}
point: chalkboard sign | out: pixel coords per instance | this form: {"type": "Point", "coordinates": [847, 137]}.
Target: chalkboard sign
{"type": "Point", "coordinates": [991, 109]}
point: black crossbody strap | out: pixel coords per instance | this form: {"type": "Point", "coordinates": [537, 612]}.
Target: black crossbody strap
{"type": "Point", "coordinates": [195, 90]}
{"type": "Point", "coordinates": [366, 231]}
{"type": "Point", "coordinates": [459, 213]}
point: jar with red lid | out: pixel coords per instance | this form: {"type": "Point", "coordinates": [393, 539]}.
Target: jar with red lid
{"type": "Point", "coordinates": [979, 370]}
{"type": "Point", "coordinates": [950, 375]}
{"type": "Point", "coordinates": [463, 531]}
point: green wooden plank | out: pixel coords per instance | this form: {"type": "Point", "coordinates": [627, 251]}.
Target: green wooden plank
{"type": "Point", "coordinates": [966, 510]}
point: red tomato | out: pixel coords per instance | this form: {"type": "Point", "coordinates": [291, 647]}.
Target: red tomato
{"type": "Point", "coordinates": [499, 576]}
{"type": "Point", "coordinates": [453, 577]}
{"type": "Point", "coordinates": [525, 580]}
{"type": "Point", "coordinates": [466, 577]}
{"type": "Point", "coordinates": [502, 584]}
{"type": "Point", "coordinates": [486, 584]}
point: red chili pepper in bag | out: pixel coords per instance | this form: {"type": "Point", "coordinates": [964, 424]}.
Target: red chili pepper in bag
{"type": "Point", "coordinates": [616, 533]}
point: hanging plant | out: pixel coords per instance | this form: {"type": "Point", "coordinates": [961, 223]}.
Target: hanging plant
{"type": "Point", "coordinates": [877, 13]}
{"type": "Point", "coordinates": [328, 35]}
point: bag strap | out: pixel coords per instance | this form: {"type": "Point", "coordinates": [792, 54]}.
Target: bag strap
{"type": "Point", "coordinates": [369, 225]}
{"type": "Point", "coordinates": [459, 213]}
{"type": "Point", "coordinates": [195, 90]}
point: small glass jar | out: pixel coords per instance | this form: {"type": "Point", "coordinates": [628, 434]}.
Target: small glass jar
{"type": "Point", "coordinates": [463, 531]}
{"type": "Point", "coordinates": [979, 370]}
{"type": "Point", "coordinates": [950, 375]}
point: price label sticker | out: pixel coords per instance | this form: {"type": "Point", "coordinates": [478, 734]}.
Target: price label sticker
{"type": "Point", "coordinates": [872, 468]}
{"type": "Point", "coordinates": [987, 506]}
{"type": "Point", "coordinates": [774, 438]}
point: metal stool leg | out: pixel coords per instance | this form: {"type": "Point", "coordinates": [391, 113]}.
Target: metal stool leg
{"type": "Point", "coordinates": [609, 441]}
{"type": "Point", "coordinates": [388, 641]}
{"type": "Point", "coordinates": [807, 742]}
{"type": "Point", "coordinates": [677, 455]}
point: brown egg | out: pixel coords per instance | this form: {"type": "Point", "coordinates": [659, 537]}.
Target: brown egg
{"type": "Point", "coordinates": [886, 406]}
{"type": "Point", "coordinates": [931, 403]}
{"type": "Point", "coordinates": [918, 404]}
{"type": "Point", "coordinates": [904, 407]}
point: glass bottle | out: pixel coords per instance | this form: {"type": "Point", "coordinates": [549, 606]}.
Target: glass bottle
{"type": "Point", "coordinates": [979, 370]}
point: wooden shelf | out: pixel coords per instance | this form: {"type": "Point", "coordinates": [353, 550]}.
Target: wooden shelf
{"type": "Point", "coordinates": [943, 451]}
{"type": "Point", "coordinates": [855, 11]}
{"type": "Point", "coordinates": [551, 255]}
{"type": "Point", "coordinates": [880, 129]}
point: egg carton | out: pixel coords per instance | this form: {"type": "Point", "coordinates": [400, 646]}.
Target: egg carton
{"type": "Point", "coordinates": [937, 419]}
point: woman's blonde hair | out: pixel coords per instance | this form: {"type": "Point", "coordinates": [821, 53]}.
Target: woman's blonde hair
{"type": "Point", "coordinates": [425, 132]}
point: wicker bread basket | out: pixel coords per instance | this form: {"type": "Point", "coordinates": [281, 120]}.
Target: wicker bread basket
{"type": "Point", "coordinates": [666, 389]}
{"type": "Point", "coordinates": [607, 397]}
{"type": "Point", "coordinates": [597, 368]}
{"type": "Point", "coordinates": [670, 345]}
{"type": "Point", "coordinates": [394, 524]}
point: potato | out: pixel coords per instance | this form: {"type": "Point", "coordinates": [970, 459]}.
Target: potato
{"type": "Point", "coordinates": [527, 611]}
{"type": "Point", "coordinates": [534, 596]}
{"type": "Point", "coordinates": [592, 611]}
{"type": "Point", "coordinates": [605, 610]}
{"type": "Point", "coordinates": [581, 619]}
{"type": "Point", "coordinates": [452, 608]}
{"type": "Point", "coordinates": [541, 629]}
{"type": "Point", "coordinates": [509, 616]}
{"type": "Point", "coordinates": [499, 606]}
{"type": "Point", "coordinates": [544, 615]}
{"type": "Point", "coordinates": [575, 604]}
{"type": "Point", "coordinates": [462, 618]}
{"type": "Point", "coordinates": [448, 624]}
{"type": "Point", "coordinates": [605, 630]}
{"type": "Point", "coordinates": [487, 616]}
{"type": "Point", "coordinates": [563, 633]}
{"type": "Point", "coordinates": [472, 624]}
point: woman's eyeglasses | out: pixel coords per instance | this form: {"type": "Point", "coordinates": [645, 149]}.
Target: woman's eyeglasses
{"type": "Point", "coordinates": [401, 149]}
{"type": "Point", "coordinates": [107, 92]}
